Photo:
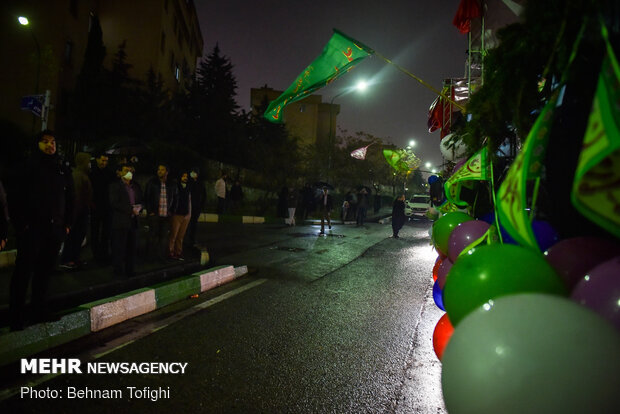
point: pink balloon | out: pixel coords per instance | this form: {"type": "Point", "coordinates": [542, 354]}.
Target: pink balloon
{"type": "Point", "coordinates": [599, 290]}
{"type": "Point", "coordinates": [463, 235]}
{"type": "Point", "coordinates": [442, 272]}
{"type": "Point", "coordinates": [572, 258]}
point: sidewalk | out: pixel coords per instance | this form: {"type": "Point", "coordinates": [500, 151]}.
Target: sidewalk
{"type": "Point", "coordinates": [91, 298]}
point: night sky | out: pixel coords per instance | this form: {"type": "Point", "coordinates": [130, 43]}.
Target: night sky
{"type": "Point", "coordinates": [271, 42]}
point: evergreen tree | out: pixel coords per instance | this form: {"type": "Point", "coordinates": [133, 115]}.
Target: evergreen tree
{"type": "Point", "coordinates": [217, 110]}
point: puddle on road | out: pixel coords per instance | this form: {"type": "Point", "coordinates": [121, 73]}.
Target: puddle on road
{"type": "Point", "coordinates": [288, 249]}
{"type": "Point", "coordinates": [317, 234]}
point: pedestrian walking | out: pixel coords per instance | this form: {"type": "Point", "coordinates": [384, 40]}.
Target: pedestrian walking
{"type": "Point", "coordinates": [291, 206]}
{"type": "Point", "coordinates": [160, 195]}
{"type": "Point", "coordinates": [398, 215]}
{"type": "Point", "coordinates": [325, 206]}
{"type": "Point", "coordinates": [220, 192]}
{"type": "Point", "coordinates": [70, 258]}
{"type": "Point", "coordinates": [40, 203]}
{"type": "Point", "coordinates": [125, 204]}
{"type": "Point", "coordinates": [362, 206]}
{"type": "Point", "coordinates": [181, 214]}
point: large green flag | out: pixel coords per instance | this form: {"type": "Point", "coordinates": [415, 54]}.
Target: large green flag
{"type": "Point", "coordinates": [339, 56]}
{"type": "Point", "coordinates": [396, 160]}
{"type": "Point", "coordinates": [476, 168]}
{"type": "Point", "coordinates": [511, 207]}
{"type": "Point", "coordinates": [596, 188]}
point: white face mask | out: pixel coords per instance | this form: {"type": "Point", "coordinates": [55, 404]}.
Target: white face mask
{"type": "Point", "coordinates": [128, 176]}
{"type": "Point", "coordinates": [193, 174]}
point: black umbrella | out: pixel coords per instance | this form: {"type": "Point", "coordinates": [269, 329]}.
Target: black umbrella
{"type": "Point", "coordinates": [129, 147]}
{"type": "Point", "coordinates": [322, 184]}
{"type": "Point", "coordinates": [360, 187]}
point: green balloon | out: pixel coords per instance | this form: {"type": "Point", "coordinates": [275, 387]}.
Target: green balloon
{"type": "Point", "coordinates": [444, 226]}
{"type": "Point", "coordinates": [495, 270]}
{"type": "Point", "coordinates": [532, 353]}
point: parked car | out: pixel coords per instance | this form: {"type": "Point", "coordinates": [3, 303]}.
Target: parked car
{"type": "Point", "coordinates": [417, 206]}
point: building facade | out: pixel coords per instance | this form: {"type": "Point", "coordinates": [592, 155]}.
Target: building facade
{"type": "Point", "coordinates": [48, 53]}
{"type": "Point", "coordinates": [310, 121]}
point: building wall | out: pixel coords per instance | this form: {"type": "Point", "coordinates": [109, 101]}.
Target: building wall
{"type": "Point", "coordinates": [61, 28]}
{"type": "Point", "coordinates": [308, 120]}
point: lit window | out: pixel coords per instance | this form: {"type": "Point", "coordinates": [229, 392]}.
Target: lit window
{"type": "Point", "coordinates": [177, 73]}
{"type": "Point", "coordinates": [302, 108]}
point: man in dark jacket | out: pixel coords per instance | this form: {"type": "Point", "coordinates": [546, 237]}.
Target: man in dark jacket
{"type": "Point", "coordinates": [41, 206]}
{"type": "Point", "coordinates": [4, 218]}
{"type": "Point", "coordinates": [199, 197]}
{"type": "Point", "coordinates": [101, 176]}
{"type": "Point", "coordinates": [398, 215]}
{"type": "Point", "coordinates": [160, 196]}
{"type": "Point", "coordinates": [125, 205]}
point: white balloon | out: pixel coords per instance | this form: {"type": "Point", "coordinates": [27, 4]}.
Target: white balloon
{"type": "Point", "coordinates": [451, 154]}
{"type": "Point", "coordinates": [532, 353]}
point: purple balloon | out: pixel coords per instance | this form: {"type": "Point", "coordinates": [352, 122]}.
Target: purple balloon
{"type": "Point", "coordinates": [442, 272]}
{"type": "Point", "coordinates": [599, 290]}
{"type": "Point", "coordinates": [463, 235]}
{"type": "Point", "coordinates": [572, 258]}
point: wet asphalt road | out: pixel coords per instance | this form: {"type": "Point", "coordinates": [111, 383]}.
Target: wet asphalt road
{"type": "Point", "coordinates": [335, 324]}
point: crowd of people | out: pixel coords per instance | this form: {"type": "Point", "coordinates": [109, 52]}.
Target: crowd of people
{"type": "Point", "coordinates": [52, 206]}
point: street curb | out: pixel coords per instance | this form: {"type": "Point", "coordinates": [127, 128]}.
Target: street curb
{"type": "Point", "coordinates": [98, 315]}
{"type": "Point", "coordinates": [225, 218]}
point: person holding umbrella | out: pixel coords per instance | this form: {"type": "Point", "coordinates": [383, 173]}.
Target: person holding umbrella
{"type": "Point", "coordinates": [325, 206]}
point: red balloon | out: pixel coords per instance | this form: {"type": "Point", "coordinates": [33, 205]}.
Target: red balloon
{"type": "Point", "coordinates": [442, 272]}
{"type": "Point", "coordinates": [436, 268]}
{"type": "Point", "coordinates": [572, 258]}
{"type": "Point", "coordinates": [441, 335]}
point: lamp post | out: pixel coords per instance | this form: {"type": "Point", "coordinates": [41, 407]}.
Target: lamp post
{"type": "Point", "coordinates": [25, 22]}
{"type": "Point", "coordinates": [361, 86]}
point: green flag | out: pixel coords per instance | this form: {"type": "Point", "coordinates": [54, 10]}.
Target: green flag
{"type": "Point", "coordinates": [339, 56]}
{"type": "Point", "coordinates": [596, 188]}
{"type": "Point", "coordinates": [511, 207]}
{"type": "Point", "coordinates": [396, 160]}
{"type": "Point", "coordinates": [476, 168]}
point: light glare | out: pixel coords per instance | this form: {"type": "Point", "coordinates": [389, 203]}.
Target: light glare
{"type": "Point", "coordinates": [23, 20]}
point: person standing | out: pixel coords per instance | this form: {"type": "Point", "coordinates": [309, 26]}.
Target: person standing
{"type": "Point", "coordinates": [125, 205]}
{"type": "Point", "coordinates": [362, 206]}
{"type": "Point", "coordinates": [307, 201]}
{"type": "Point", "coordinates": [160, 195]}
{"type": "Point", "coordinates": [325, 206]}
{"type": "Point", "coordinates": [220, 192]}
{"type": "Point", "coordinates": [291, 205]}
{"type": "Point", "coordinates": [180, 218]}
{"type": "Point", "coordinates": [236, 196]}
{"type": "Point", "coordinates": [101, 176]}
{"type": "Point", "coordinates": [199, 197]}
{"type": "Point", "coordinates": [4, 218]}
{"type": "Point", "coordinates": [41, 207]}
{"type": "Point", "coordinates": [398, 215]}
{"type": "Point", "coordinates": [82, 202]}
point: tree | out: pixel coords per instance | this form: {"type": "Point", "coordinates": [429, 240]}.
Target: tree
{"type": "Point", "coordinates": [216, 109]}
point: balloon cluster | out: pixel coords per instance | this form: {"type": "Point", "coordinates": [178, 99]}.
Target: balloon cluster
{"type": "Point", "coordinates": [526, 332]}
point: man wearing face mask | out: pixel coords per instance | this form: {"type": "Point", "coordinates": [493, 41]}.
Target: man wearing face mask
{"type": "Point", "coordinates": [41, 208]}
{"type": "Point", "coordinates": [125, 203]}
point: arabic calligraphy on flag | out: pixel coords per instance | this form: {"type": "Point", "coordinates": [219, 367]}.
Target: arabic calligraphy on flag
{"type": "Point", "coordinates": [339, 56]}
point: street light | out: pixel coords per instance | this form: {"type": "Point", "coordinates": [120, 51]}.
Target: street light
{"type": "Point", "coordinates": [412, 143]}
{"type": "Point", "coordinates": [24, 22]}
{"type": "Point", "coordinates": [360, 86]}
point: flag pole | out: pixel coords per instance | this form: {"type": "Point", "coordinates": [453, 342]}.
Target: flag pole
{"type": "Point", "coordinates": [405, 71]}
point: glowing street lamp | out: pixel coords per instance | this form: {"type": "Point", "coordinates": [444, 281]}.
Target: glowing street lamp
{"type": "Point", "coordinates": [361, 86]}
{"type": "Point", "coordinates": [25, 22]}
